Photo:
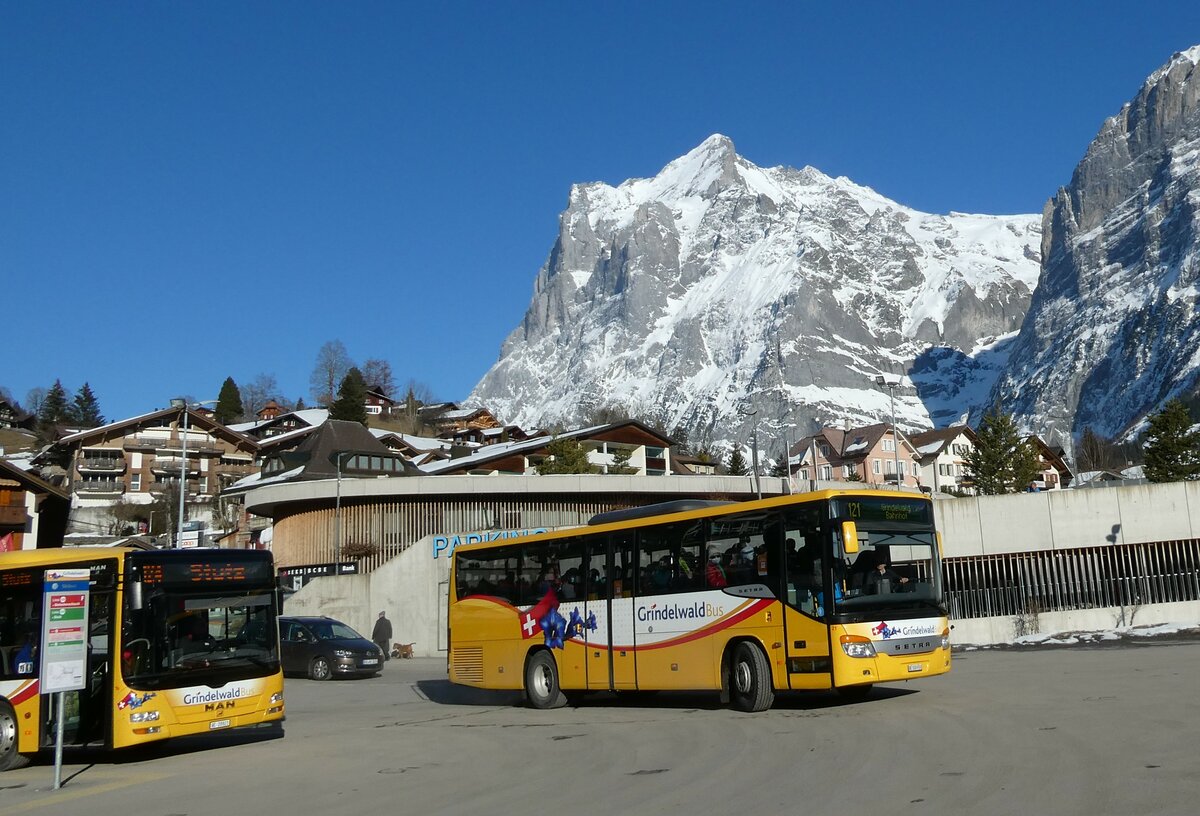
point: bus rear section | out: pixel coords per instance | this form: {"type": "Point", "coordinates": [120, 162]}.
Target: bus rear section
{"type": "Point", "coordinates": [179, 642]}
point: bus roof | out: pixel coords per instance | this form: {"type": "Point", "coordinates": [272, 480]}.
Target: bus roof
{"type": "Point", "coordinates": [702, 512]}
{"type": "Point", "coordinates": [49, 556]}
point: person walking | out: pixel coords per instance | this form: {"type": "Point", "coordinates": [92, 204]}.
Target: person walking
{"type": "Point", "coordinates": [382, 635]}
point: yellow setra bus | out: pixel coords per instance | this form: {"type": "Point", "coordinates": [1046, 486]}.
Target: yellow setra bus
{"type": "Point", "coordinates": [837, 589]}
{"type": "Point", "coordinates": [179, 642]}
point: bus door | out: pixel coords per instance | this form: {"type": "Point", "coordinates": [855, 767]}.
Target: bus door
{"type": "Point", "coordinates": [610, 655]}
{"type": "Point", "coordinates": [622, 639]}
{"type": "Point", "coordinates": [596, 611]}
{"type": "Point", "coordinates": [805, 582]}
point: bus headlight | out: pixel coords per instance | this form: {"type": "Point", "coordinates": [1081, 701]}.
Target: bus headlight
{"type": "Point", "coordinates": [945, 638]}
{"type": "Point", "coordinates": [857, 646]}
{"type": "Point", "coordinates": [276, 698]}
{"type": "Point", "coordinates": [143, 716]}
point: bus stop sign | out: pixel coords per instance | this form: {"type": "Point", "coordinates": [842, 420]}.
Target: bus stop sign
{"type": "Point", "coordinates": [64, 630]}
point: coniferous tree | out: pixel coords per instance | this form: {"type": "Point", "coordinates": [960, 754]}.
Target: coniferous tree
{"type": "Point", "coordinates": [300, 406]}
{"type": "Point", "coordinates": [737, 462]}
{"type": "Point", "coordinates": [565, 456]}
{"type": "Point", "coordinates": [1172, 447]}
{"type": "Point", "coordinates": [54, 411]}
{"type": "Point", "coordinates": [351, 402]}
{"type": "Point", "coordinates": [85, 411]}
{"type": "Point", "coordinates": [620, 464]}
{"type": "Point", "coordinates": [1001, 462]}
{"type": "Point", "coordinates": [780, 469]}
{"type": "Point", "coordinates": [229, 403]}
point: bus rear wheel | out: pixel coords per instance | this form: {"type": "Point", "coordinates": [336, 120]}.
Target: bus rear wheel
{"type": "Point", "coordinates": [9, 758]}
{"type": "Point", "coordinates": [541, 682]}
{"type": "Point", "coordinates": [750, 686]}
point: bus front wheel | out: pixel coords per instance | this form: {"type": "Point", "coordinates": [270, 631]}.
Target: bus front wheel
{"type": "Point", "coordinates": [541, 682]}
{"type": "Point", "coordinates": [9, 758]}
{"type": "Point", "coordinates": [750, 686]}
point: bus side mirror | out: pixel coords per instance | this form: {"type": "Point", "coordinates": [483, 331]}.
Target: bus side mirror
{"type": "Point", "coordinates": [849, 537]}
{"type": "Point", "coordinates": [134, 593]}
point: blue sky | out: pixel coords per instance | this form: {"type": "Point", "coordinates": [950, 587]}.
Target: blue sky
{"type": "Point", "coordinates": [192, 191]}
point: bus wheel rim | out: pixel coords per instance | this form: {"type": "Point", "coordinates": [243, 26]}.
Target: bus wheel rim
{"type": "Point", "coordinates": [741, 677]}
{"type": "Point", "coordinates": [541, 681]}
{"type": "Point", "coordinates": [8, 733]}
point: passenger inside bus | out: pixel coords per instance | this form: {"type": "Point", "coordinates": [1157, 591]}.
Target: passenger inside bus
{"type": "Point", "coordinates": [714, 573]}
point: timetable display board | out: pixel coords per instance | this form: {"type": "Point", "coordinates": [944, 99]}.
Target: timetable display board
{"type": "Point", "coordinates": [65, 603]}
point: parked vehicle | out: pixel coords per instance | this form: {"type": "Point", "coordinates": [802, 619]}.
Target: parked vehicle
{"type": "Point", "coordinates": [322, 647]}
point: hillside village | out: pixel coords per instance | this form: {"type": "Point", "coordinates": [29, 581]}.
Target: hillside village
{"type": "Point", "coordinates": [121, 480]}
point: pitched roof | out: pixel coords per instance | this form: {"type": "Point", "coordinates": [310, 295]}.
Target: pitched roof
{"type": "Point", "coordinates": [932, 443]}
{"type": "Point", "coordinates": [198, 420]}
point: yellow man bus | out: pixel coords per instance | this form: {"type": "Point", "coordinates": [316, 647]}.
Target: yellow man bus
{"type": "Point", "coordinates": [838, 589]}
{"type": "Point", "coordinates": [179, 642]}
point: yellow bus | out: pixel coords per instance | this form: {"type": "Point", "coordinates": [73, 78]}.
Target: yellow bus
{"type": "Point", "coordinates": [179, 642]}
{"type": "Point", "coordinates": [837, 589]}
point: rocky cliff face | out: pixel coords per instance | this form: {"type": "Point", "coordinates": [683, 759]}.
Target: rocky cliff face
{"type": "Point", "coordinates": [1113, 332]}
{"type": "Point", "coordinates": [718, 287]}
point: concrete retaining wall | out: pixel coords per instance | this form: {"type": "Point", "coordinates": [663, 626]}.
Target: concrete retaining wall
{"type": "Point", "coordinates": [411, 587]}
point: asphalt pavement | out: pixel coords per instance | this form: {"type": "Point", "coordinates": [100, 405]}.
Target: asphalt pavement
{"type": "Point", "coordinates": [1066, 731]}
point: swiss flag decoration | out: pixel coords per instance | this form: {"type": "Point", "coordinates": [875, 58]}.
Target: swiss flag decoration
{"type": "Point", "coordinates": [531, 621]}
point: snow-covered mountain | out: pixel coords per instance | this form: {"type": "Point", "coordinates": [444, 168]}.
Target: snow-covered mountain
{"type": "Point", "coordinates": [1113, 330]}
{"type": "Point", "coordinates": [719, 287]}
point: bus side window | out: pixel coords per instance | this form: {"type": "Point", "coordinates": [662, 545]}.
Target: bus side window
{"type": "Point", "coordinates": [20, 630]}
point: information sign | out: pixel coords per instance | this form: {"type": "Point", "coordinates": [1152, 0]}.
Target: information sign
{"type": "Point", "coordinates": [64, 630]}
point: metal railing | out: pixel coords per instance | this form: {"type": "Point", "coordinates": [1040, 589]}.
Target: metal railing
{"type": "Point", "coordinates": [105, 463]}
{"type": "Point", "coordinates": [100, 486]}
{"type": "Point", "coordinates": [1061, 580]}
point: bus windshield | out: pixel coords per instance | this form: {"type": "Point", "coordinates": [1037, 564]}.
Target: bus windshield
{"type": "Point", "coordinates": [892, 569]}
{"type": "Point", "coordinates": [194, 636]}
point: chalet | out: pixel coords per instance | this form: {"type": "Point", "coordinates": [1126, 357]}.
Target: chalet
{"type": "Point", "coordinates": [868, 454]}
{"type": "Point", "coordinates": [138, 462]}
{"type": "Point", "coordinates": [1054, 472]}
{"type": "Point", "coordinates": [33, 512]}
{"type": "Point", "coordinates": [11, 416]}
{"type": "Point", "coordinates": [269, 411]}
{"type": "Point", "coordinates": [943, 458]}
{"type": "Point", "coordinates": [378, 403]}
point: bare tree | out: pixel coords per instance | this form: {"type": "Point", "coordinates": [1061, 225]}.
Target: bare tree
{"type": "Point", "coordinates": [333, 363]}
{"type": "Point", "coordinates": [378, 374]}
{"type": "Point", "coordinates": [34, 399]}
{"type": "Point", "coordinates": [257, 393]}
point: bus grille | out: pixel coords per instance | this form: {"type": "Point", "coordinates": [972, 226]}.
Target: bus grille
{"type": "Point", "coordinates": [468, 665]}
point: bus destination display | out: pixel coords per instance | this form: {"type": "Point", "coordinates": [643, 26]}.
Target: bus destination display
{"type": "Point", "coordinates": [911, 511]}
{"type": "Point", "coordinates": [206, 572]}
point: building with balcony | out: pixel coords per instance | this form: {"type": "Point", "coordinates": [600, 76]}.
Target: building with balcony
{"type": "Point", "coordinates": [125, 476]}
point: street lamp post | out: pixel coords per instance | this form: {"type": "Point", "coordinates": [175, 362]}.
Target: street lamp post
{"type": "Point", "coordinates": [890, 382]}
{"type": "Point", "coordinates": [180, 402]}
{"type": "Point", "coordinates": [754, 450]}
{"type": "Point", "coordinates": [337, 509]}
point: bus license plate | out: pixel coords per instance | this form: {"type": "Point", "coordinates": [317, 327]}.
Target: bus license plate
{"type": "Point", "coordinates": [215, 724]}
{"type": "Point", "coordinates": [914, 667]}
